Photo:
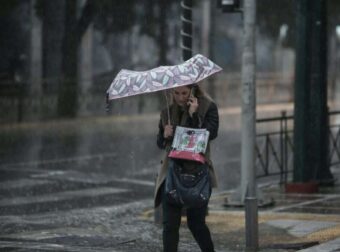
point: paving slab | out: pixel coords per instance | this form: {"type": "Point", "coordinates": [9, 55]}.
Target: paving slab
{"type": "Point", "coordinates": [302, 228]}
{"type": "Point", "coordinates": [330, 246]}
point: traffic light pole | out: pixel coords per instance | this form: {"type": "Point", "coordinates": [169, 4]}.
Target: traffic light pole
{"type": "Point", "coordinates": [310, 113]}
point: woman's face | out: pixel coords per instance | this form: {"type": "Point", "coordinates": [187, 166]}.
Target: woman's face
{"type": "Point", "coordinates": [181, 95]}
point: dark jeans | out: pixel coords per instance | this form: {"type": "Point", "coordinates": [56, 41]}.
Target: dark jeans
{"type": "Point", "coordinates": [196, 223]}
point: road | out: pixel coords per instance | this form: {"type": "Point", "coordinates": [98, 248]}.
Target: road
{"type": "Point", "coordinates": [82, 185]}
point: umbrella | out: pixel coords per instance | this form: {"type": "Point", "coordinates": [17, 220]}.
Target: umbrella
{"type": "Point", "coordinates": [129, 83]}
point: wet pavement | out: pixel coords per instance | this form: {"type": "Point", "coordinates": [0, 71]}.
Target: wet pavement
{"type": "Point", "coordinates": [87, 185]}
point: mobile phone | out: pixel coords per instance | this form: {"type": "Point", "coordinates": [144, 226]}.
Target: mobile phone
{"type": "Point", "coordinates": [193, 90]}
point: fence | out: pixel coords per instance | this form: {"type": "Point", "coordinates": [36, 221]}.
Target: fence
{"type": "Point", "coordinates": [274, 148]}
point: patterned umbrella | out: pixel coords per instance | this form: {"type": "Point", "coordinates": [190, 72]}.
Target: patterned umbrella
{"type": "Point", "coordinates": [129, 83]}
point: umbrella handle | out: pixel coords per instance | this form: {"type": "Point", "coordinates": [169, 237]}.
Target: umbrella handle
{"type": "Point", "coordinates": [167, 107]}
{"type": "Point", "coordinates": [107, 103]}
{"type": "Point", "coordinates": [193, 90]}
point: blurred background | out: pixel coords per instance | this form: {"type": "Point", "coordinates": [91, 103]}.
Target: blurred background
{"type": "Point", "coordinates": [59, 57]}
{"type": "Point", "coordinates": [73, 171]}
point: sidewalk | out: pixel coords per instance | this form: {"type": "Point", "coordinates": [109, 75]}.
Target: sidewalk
{"type": "Point", "coordinates": [296, 222]}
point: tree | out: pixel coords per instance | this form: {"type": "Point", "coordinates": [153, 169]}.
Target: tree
{"type": "Point", "coordinates": [271, 15]}
{"type": "Point", "coordinates": [64, 28]}
{"type": "Point", "coordinates": [107, 15]}
{"type": "Point", "coordinates": [74, 29]}
{"type": "Point", "coordinates": [333, 15]}
{"type": "Point", "coordinates": [10, 42]}
{"type": "Point", "coordinates": [52, 14]}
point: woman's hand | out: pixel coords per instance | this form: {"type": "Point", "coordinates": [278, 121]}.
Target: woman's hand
{"type": "Point", "coordinates": [168, 131]}
{"type": "Point", "coordinates": [193, 105]}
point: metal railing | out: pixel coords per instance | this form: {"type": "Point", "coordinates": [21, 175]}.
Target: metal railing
{"type": "Point", "coordinates": [274, 147]}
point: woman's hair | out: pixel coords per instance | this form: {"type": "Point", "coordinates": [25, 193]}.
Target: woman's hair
{"type": "Point", "coordinates": [199, 92]}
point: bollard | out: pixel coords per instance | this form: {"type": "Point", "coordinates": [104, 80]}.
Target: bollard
{"type": "Point", "coordinates": [251, 224]}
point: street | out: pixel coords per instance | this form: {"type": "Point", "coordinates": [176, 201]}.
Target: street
{"type": "Point", "coordinates": [79, 186]}
{"type": "Point", "coordinates": [83, 185]}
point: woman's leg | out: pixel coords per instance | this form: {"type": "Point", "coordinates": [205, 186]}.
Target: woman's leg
{"type": "Point", "coordinates": [171, 224]}
{"type": "Point", "coordinates": [199, 229]}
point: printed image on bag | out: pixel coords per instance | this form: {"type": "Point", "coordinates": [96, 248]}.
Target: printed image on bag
{"type": "Point", "coordinates": [189, 144]}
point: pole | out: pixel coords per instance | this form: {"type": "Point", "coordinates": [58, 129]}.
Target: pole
{"type": "Point", "coordinates": [186, 31]}
{"type": "Point", "coordinates": [206, 26]}
{"type": "Point", "coordinates": [301, 90]}
{"type": "Point", "coordinates": [319, 80]}
{"type": "Point", "coordinates": [248, 130]}
{"type": "Point", "coordinates": [207, 35]}
{"type": "Point", "coordinates": [310, 115]}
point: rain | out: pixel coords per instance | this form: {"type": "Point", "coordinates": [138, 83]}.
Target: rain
{"type": "Point", "coordinates": [77, 173]}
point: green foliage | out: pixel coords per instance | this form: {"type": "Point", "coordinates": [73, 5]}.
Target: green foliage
{"type": "Point", "coordinates": [148, 19]}
{"type": "Point", "coordinates": [39, 6]}
{"type": "Point", "coordinates": [150, 15]}
{"type": "Point", "coordinates": [6, 6]}
{"type": "Point", "coordinates": [271, 15]}
{"type": "Point", "coordinates": [115, 15]}
{"type": "Point", "coordinates": [333, 14]}
{"type": "Point", "coordinates": [108, 15]}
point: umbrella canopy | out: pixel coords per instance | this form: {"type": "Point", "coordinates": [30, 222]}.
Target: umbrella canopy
{"type": "Point", "coordinates": [129, 83]}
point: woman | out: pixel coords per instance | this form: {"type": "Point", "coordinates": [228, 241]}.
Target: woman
{"type": "Point", "coordinates": [197, 111]}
